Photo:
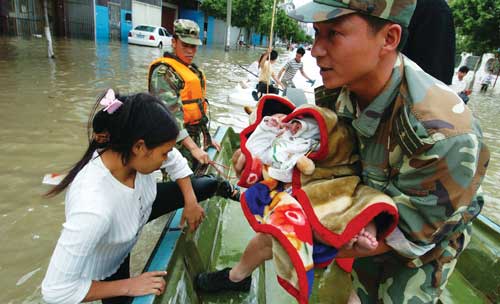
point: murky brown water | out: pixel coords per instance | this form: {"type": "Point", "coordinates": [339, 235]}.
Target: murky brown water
{"type": "Point", "coordinates": [44, 108]}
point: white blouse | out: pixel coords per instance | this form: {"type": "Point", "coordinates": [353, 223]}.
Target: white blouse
{"type": "Point", "coordinates": [103, 221]}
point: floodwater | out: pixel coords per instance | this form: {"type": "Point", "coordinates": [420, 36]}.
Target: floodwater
{"type": "Point", "coordinates": [44, 110]}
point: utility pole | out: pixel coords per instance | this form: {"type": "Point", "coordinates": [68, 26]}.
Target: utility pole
{"type": "Point", "coordinates": [228, 24]}
{"type": "Point", "coordinates": [48, 36]}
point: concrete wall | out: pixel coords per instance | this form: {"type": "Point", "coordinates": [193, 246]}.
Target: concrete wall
{"type": "Point", "coordinates": [143, 13]}
{"type": "Point", "coordinates": [126, 25]}
{"type": "Point", "coordinates": [219, 33]}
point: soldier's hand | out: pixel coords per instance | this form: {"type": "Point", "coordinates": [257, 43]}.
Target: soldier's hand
{"type": "Point", "coordinates": [216, 145]}
{"type": "Point", "coordinates": [200, 155]}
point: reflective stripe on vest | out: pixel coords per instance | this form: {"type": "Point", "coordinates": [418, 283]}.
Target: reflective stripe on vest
{"type": "Point", "coordinates": [192, 95]}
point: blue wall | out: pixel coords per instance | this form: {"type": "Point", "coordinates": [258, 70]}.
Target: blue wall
{"type": "Point", "coordinates": [126, 26]}
{"type": "Point", "coordinates": [101, 22]}
{"type": "Point", "coordinates": [256, 39]}
{"type": "Point", "coordinates": [210, 30]}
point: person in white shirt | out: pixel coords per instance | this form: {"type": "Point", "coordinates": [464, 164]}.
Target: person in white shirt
{"type": "Point", "coordinates": [461, 83]}
{"type": "Point", "coordinates": [486, 81]}
{"type": "Point", "coordinates": [112, 194]}
{"type": "Point", "coordinates": [291, 68]}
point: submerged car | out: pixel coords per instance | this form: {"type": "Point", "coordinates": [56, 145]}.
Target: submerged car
{"type": "Point", "coordinates": [149, 35]}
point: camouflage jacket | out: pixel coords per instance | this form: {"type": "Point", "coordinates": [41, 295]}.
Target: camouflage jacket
{"type": "Point", "coordinates": [421, 145]}
{"type": "Point", "coordinates": [167, 84]}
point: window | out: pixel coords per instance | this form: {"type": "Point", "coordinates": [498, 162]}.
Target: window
{"type": "Point", "coordinates": [145, 28]}
{"type": "Point", "coordinates": [128, 17]}
{"type": "Point", "coordinates": [161, 32]}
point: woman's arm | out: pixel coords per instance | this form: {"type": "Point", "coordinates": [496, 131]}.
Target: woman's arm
{"type": "Point", "coordinates": [63, 282]}
{"type": "Point", "coordinates": [146, 283]}
{"type": "Point", "coordinates": [193, 213]}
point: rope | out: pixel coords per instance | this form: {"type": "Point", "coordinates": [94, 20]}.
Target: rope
{"type": "Point", "coordinates": [271, 45]}
{"type": "Point", "coordinates": [217, 167]}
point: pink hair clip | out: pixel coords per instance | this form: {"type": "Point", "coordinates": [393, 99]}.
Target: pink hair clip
{"type": "Point", "coordinates": [110, 102]}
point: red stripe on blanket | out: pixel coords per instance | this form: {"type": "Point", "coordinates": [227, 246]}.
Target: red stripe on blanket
{"type": "Point", "coordinates": [292, 290]}
{"type": "Point", "coordinates": [250, 167]}
{"type": "Point", "coordinates": [353, 227]}
{"type": "Point", "coordinates": [290, 249]}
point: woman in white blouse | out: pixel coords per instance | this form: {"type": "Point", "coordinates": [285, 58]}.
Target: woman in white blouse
{"type": "Point", "coordinates": [112, 194]}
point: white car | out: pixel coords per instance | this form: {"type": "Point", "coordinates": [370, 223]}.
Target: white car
{"type": "Point", "coordinates": [150, 36]}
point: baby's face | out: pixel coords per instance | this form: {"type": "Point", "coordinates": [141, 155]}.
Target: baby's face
{"type": "Point", "coordinates": [294, 126]}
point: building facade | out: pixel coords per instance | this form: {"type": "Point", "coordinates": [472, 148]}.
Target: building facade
{"type": "Point", "coordinates": [113, 19]}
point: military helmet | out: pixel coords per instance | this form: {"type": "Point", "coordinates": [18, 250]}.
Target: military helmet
{"type": "Point", "coordinates": [397, 11]}
{"type": "Point", "coordinates": [187, 31]}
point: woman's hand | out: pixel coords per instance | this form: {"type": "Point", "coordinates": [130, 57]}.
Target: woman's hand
{"type": "Point", "coordinates": [146, 283]}
{"type": "Point", "coordinates": [194, 214]}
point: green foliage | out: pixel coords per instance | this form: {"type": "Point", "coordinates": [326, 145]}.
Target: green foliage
{"type": "Point", "coordinates": [215, 8]}
{"type": "Point", "coordinates": [478, 25]}
{"type": "Point", "coordinates": [257, 15]}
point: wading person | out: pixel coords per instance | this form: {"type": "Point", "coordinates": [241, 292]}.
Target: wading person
{"type": "Point", "coordinates": [462, 83]}
{"type": "Point", "coordinates": [112, 194]}
{"type": "Point", "coordinates": [412, 131]}
{"type": "Point", "coordinates": [265, 85]}
{"type": "Point", "coordinates": [291, 68]}
{"type": "Point", "coordinates": [179, 82]}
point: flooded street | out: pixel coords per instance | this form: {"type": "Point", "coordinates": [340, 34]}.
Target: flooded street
{"type": "Point", "coordinates": [43, 119]}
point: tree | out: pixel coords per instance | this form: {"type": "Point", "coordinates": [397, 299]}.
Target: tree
{"type": "Point", "coordinates": [215, 8]}
{"type": "Point", "coordinates": [478, 25]}
{"type": "Point", "coordinates": [256, 15]}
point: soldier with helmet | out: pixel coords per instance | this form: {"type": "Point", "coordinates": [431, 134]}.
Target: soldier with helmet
{"type": "Point", "coordinates": [179, 82]}
{"type": "Point", "coordinates": [418, 143]}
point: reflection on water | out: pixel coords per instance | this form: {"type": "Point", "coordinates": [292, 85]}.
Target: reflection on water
{"type": "Point", "coordinates": [45, 105]}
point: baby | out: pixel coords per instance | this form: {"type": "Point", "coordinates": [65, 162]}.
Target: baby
{"type": "Point", "coordinates": [282, 146]}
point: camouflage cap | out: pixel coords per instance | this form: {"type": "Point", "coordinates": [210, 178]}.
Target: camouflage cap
{"type": "Point", "coordinates": [397, 11]}
{"type": "Point", "coordinates": [187, 31]}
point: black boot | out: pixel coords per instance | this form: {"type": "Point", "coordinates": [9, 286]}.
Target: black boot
{"type": "Point", "coordinates": [219, 281]}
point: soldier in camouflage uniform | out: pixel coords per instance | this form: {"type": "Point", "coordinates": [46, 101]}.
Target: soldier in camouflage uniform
{"type": "Point", "coordinates": [418, 143]}
{"type": "Point", "coordinates": [165, 80]}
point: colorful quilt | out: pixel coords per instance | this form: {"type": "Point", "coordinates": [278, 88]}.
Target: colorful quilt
{"type": "Point", "coordinates": [319, 212]}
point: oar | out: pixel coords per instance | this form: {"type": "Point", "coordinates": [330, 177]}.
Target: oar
{"type": "Point", "coordinates": [247, 70]}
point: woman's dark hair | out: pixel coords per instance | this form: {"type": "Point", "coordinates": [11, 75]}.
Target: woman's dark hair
{"type": "Point", "coordinates": [274, 55]}
{"type": "Point", "coordinates": [141, 116]}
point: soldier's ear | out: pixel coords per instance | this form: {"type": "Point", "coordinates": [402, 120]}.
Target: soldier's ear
{"type": "Point", "coordinates": [392, 36]}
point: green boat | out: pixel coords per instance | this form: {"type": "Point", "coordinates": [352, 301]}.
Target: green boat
{"type": "Point", "coordinates": [222, 237]}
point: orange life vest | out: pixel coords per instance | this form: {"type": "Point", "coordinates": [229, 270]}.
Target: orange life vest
{"type": "Point", "coordinates": [194, 103]}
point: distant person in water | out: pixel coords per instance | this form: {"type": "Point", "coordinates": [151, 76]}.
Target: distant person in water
{"type": "Point", "coordinates": [486, 81]}
{"type": "Point", "coordinates": [462, 83]}
{"type": "Point", "coordinates": [265, 86]}
{"type": "Point", "coordinates": [290, 69]}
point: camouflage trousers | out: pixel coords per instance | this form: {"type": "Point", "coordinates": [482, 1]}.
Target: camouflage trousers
{"type": "Point", "coordinates": [196, 132]}
{"type": "Point", "coordinates": [387, 279]}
